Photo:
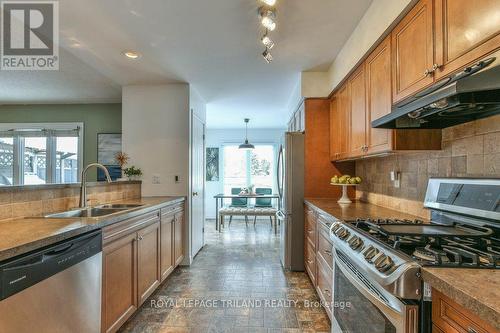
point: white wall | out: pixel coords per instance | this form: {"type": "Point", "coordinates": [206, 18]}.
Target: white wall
{"type": "Point", "coordinates": [219, 137]}
{"type": "Point", "coordinates": [378, 19]}
{"type": "Point", "coordinates": [156, 131]}
{"type": "Point", "coordinates": [155, 127]}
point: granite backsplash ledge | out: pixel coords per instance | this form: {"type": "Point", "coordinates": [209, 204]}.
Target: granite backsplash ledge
{"type": "Point", "coordinates": [18, 201]}
{"type": "Point", "coordinates": [469, 150]}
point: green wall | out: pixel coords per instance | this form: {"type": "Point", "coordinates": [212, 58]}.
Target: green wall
{"type": "Point", "coordinates": [97, 118]}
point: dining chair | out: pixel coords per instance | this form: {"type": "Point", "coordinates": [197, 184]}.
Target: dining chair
{"type": "Point", "coordinates": [238, 203]}
{"type": "Point", "coordinates": [263, 202]}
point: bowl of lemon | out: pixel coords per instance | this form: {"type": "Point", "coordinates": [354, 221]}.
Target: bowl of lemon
{"type": "Point", "coordinates": [345, 181]}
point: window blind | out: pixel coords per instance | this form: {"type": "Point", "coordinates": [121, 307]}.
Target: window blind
{"type": "Point", "coordinates": [33, 133]}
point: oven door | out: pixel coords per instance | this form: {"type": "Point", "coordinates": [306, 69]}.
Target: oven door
{"type": "Point", "coordinates": [359, 306]}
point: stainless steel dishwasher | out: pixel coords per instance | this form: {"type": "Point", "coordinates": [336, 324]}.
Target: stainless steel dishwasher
{"type": "Point", "coordinates": [56, 289]}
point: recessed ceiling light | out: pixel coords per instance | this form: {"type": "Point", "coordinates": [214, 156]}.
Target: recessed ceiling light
{"type": "Point", "coordinates": [269, 2]}
{"type": "Point", "coordinates": [131, 54]}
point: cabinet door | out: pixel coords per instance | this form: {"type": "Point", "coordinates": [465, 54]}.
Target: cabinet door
{"type": "Point", "coordinates": [465, 31]}
{"type": "Point", "coordinates": [148, 260]}
{"type": "Point", "coordinates": [357, 139]}
{"type": "Point", "coordinates": [166, 245]}
{"type": "Point", "coordinates": [343, 127]}
{"type": "Point", "coordinates": [334, 128]}
{"type": "Point", "coordinates": [119, 282]}
{"type": "Point", "coordinates": [413, 51]}
{"type": "Point", "coordinates": [302, 117]}
{"type": "Point", "coordinates": [378, 96]}
{"type": "Point", "coordinates": [178, 238]}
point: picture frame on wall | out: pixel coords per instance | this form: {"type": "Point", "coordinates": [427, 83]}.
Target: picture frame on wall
{"type": "Point", "coordinates": [212, 166]}
{"type": "Point", "coordinates": [108, 145]}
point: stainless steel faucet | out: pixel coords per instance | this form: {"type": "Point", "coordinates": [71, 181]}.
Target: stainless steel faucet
{"type": "Point", "coordinates": [83, 186]}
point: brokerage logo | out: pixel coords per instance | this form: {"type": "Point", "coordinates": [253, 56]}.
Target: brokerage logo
{"type": "Point", "coordinates": [30, 35]}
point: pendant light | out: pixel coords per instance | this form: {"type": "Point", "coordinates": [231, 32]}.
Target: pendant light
{"type": "Point", "coordinates": [246, 145]}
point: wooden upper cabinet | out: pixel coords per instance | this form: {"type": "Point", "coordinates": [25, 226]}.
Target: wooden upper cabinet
{"type": "Point", "coordinates": [413, 51]}
{"type": "Point", "coordinates": [334, 128]}
{"type": "Point", "coordinates": [465, 32]}
{"type": "Point", "coordinates": [148, 263]}
{"type": "Point", "coordinates": [357, 137]}
{"type": "Point", "coordinates": [343, 125]}
{"type": "Point", "coordinates": [378, 96]}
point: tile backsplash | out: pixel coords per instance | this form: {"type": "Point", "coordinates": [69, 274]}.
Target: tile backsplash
{"type": "Point", "coordinates": [469, 150]}
{"type": "Point", "coordinates": [18, 202]}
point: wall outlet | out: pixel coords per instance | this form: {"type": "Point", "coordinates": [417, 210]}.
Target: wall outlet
{"type": "Point", "coordinates": [156, 179]}
{"type": "Point", "coordinates": [396, 178]}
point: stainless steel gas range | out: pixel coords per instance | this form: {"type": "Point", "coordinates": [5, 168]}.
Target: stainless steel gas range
{"type": "Point", "coordinates": [377, 284]}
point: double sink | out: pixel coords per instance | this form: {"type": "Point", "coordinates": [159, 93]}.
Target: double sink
{"type": "Point", "coordinates": [97, 211]}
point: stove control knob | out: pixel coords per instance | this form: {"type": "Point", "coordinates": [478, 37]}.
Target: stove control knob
{"type": "Point", "coordinates": [370, 252]}
{"type": "Point", "coordinates": [384, 263]}
{"type": "Point", "coordinates": [342, 233]}
{"type": "Point", "coordinates": [335, 227]}
{"type": "Point", "coordinates": [355, 242]}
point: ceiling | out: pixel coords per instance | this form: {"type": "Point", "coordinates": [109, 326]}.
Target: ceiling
{"type": "Point", "coordinates": [213, 45]}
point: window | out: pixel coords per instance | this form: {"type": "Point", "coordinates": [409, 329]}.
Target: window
{"type": "Point", "coordinates": [243, 168]}
{"type": "Point", "coordinates": [33, 154]}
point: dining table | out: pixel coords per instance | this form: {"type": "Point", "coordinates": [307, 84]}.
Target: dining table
{"type": "Point", "coordinates": [219, 202]}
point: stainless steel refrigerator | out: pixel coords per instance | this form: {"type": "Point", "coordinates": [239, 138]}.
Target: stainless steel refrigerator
{"type": "Point", "coordinates": [290, 178]}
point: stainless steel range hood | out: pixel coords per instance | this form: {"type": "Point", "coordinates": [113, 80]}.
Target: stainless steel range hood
{"type": "Point", "coordinates": [471, 94]}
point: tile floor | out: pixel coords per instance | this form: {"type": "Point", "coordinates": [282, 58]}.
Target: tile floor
{"type": "Point", "coordinates": [235, 284]}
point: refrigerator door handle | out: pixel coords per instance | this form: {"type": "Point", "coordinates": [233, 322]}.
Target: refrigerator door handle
{"type": "Point", "coordinates": [278, 169]}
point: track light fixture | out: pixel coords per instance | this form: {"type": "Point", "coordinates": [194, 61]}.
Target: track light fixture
{"type": "Point", "coordinates": [267, 41]}
{"type": "Point", "coordinates": [269, 2]}
{"type": "Point", "coordinates": [268, 17]}
{"type": "Point", "coordinates": [267, 56]}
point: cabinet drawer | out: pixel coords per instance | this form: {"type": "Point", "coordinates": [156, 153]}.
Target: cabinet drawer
{"type": "Point", "coordinates": [325, 248]}
{"type": "Point", "coordinates": [172, 209]}
{"type": "Point", "coordinates": [310, 227]}
{"type": "Point", "coordinates": [324, 285]}
{"type": "Point", "coordinates": [452, 317]}
{"type": "Point", "coordinates": [126, 227]}
{"type": "Point", "coordinates": [310, 262]}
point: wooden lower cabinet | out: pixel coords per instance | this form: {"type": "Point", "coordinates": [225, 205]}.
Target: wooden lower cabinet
{"type": "Point", "coordinates": [310, 261]}
{"type": "Point", "coordinates": [119, 282]}
{"type": "Point", "coordinates": [166, 245]}
{"type": "Point", "coordinates": [178, 236]}
{"type": "Point", "coordinates": [137, 255]}
{"type": "Point", "coordinates": [318, 256]}
{"type": "Point", "coordinates": [148, 261]}
{"type": "Point", "coordinates": [450, 317]}
{"type": "Point", "coordinates": [324, 284]}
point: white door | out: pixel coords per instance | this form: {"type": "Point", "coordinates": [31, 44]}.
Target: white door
{"type": "Point", "coordinates": [198, 185]}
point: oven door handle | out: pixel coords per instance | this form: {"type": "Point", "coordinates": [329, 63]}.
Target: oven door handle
{"type": "Point", "coordinates": [395, 313]}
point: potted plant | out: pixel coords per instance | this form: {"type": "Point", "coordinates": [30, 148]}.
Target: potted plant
{"type": "Point", "coordinates": [133, 173]}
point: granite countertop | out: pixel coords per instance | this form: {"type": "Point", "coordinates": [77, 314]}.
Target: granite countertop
{"type": "Point", "coordinates": [22, 235]}
{"type": "Point", "coordinates": [478, 290]}
{"type": "Point", "coordinates": [355, 210]}
{"type": "Point", "coordinates": [475, 289]}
